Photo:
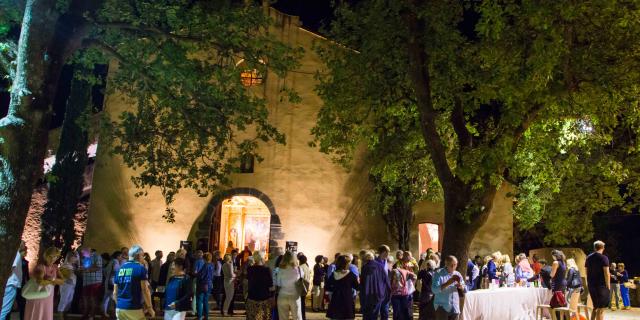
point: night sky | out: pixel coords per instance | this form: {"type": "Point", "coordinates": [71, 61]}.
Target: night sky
{"type": "Point", "coordinates": [314, 14]}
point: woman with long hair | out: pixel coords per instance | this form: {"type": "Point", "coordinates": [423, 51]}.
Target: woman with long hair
{"type": "Point", "coordinates": [287, 276]}
{"type": "Point", "coordinates": [574, 280]}
{"type": "Point", "coordinates": [46, 274]}
{"type": "Point", "coordinates": [558, 278]}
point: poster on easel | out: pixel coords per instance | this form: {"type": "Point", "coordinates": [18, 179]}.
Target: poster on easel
{"type": "Point", "coordinates": [291, 246]}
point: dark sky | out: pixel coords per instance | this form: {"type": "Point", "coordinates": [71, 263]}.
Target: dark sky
{"type": "Point", "coordinates": [313, 13]}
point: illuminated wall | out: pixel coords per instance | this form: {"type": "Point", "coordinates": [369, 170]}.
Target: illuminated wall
{"type": "Point", "coordinates": [319, 204]}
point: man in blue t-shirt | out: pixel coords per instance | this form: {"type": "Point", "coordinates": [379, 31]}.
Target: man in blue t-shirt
{"type": "Point", "coordinates": [131, 286]}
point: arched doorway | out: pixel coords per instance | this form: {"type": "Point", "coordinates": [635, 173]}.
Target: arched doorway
{"type": "Point", "coordinates": [242, 221]}
{"type": "Point", "coordinates": [226, 211]}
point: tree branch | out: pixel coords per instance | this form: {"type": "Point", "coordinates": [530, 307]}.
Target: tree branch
{"type": "Point", "coordinates": [459, 126]}
{"type": "Point", "coordinates": [420, 76]}
{"type": "Point", "coordinates": [528, 120]}
{"type": "Point", "coordinates": [111, 51]}
{"type": "Point", "coordinates": [123, 25]}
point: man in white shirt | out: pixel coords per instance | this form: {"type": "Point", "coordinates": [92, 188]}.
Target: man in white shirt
{"type": "Point", "coordinates": [447, 286]}
{"type": "Point", "coordinates": [14, 283]}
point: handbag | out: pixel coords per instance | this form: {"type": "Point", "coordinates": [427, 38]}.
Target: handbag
{"type": "Point", "coordinates": [558, 300]}
{"type": "Point", "coordinates": [302, 285]}
{"type": "Point", "coordinates": [411, 288]}
{"type": "Point", "coordinates": [33, 291]}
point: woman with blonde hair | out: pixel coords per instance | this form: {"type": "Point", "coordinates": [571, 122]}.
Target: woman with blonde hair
{"type": "Point", "coordinates": [624, 291]}
{"type": "Point", "coordinates": [507, 271]}
{"type": "Point", "coordinates": [287, 276]}
{"type": "Point", "coordinates": [574, 280]}
{"type": "Point", "coordinates": [48, 275]}
{"type": "Point", "coordinates": [229, 276]}
{"type": "Point", "coordinates": [492, 266]}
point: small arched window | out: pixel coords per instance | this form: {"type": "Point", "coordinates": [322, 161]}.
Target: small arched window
{"type": "Point", "coordinates": [249, 77]}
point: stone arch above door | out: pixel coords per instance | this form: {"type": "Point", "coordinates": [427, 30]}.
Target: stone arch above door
{"type": "Point", "coordinates": [275, 228]}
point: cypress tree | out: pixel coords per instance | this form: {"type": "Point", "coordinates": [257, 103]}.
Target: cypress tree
{"type": "Point", "coordinates": [67, 175]}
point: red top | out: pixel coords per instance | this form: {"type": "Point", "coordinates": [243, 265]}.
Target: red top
{"type": "Point", "coordinates": [536, 266]}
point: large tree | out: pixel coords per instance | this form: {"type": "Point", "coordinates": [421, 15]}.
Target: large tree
{"type": "Point", "coordinates": [178, 61]}
{"type": "Point", "coordinates": [499, 90]}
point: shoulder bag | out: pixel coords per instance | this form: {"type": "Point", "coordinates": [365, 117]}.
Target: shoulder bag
{"type": "Point", "coordinates": [302, 285]}
{"type": "Point", "coordinates": [558, 300]}
{"type": "Point", "coordinates": [33, 291]}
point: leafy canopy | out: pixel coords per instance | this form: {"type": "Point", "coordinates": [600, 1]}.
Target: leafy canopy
{"type": "Point", "coordinates": [180, 63]}
{"type": "Point", "coordinates": [534, 93]}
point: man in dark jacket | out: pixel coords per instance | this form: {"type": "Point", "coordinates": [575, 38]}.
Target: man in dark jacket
{"type": "Point", "coordinates": [374, 287]}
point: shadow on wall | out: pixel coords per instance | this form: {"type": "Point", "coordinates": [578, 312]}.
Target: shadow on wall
{"type": "Point", "coordinates": [110, 210]}
{"type": "Point", "coordinates": [359, 228]}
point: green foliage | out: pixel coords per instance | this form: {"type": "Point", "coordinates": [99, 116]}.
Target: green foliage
{"type": "Point", "coordinates": [180, 63]}
{"type": "Point", "coordinates": [532, 92]}
{"type": "Point", "coordinates": [10, 17]}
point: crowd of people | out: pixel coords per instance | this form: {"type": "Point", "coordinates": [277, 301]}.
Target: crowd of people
{"type": "Point", "coordinates": [128, 284]}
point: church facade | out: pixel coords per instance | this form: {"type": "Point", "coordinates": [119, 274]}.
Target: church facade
{"type": "Point", "coordinates": [295, 195]}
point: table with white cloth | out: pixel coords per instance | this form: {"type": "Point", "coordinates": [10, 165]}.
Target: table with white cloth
{"type": "Point", "coordinates": [504, 303]}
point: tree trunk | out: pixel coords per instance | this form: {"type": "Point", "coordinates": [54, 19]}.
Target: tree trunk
{"type": "Point", "coordinates": [23, 132]}
{"type": "Point", "coordinates": [458, 233]}
{"type": "Point", "coordinates": [65, 187]}
{"type": "Point", "coordinates": [405, 219]}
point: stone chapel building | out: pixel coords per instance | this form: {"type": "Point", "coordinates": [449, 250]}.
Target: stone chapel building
{"type": "Point", "coordinates": [296, 194]}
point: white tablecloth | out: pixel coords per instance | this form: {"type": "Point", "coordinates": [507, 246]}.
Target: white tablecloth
{"type": "Point", "coordinates": [504, 303]}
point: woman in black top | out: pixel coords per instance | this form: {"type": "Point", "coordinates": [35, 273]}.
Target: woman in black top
{"type": "Point", "coordinates": [340, 286]}
{"type": "Point", "coordinates": [558, 279]}
{"type": "Point", "coordinates": [260, 282]}
{"type": "Point", "coordinates": [558, 271]}
{"type": "Point", "coordinates": [425, 275]}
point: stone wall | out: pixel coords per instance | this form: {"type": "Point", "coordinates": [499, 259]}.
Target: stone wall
{"type": "Point", "coordinates": [319, 204]}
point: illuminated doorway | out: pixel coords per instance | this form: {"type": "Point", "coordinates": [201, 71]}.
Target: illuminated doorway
{"type": "Point", "coordinates": [243, 221]}
{"type": "Point", "coordinates": [428, 237]}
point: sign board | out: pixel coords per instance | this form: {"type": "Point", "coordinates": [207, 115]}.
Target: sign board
{"type": "Point", "coordinates": [184, 244]}
{"type": "Point", "coordinates": [291, 246]}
